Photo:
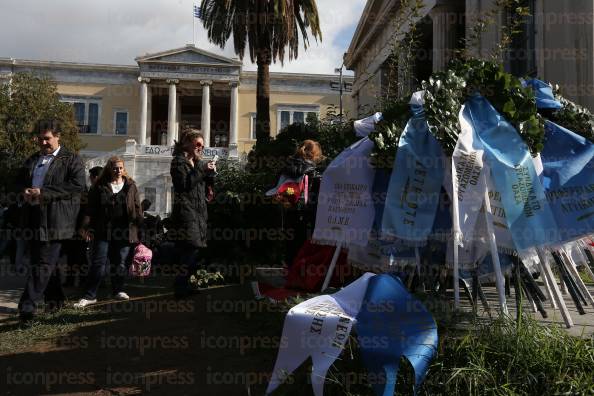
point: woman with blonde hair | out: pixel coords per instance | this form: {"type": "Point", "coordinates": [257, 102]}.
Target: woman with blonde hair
{"type": "Point", "coordinates": [113, 218]}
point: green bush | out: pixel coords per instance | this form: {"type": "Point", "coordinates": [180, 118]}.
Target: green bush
{"type": "Point", "coordinates": [334, 136]}
{"type": "Point", "coordinates": [243, 222]}
{"type": "Point", "coordinates": [241, 218]}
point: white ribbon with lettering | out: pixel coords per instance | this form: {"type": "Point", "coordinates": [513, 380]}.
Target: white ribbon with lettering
{"type": "Point", "coordinates": [319, 328]}
{"type": "Point", "coordinates": [469, 172]}
{"type": "Point", "coordinates": [345, 206]}
{"type": "Point", "coordinates": [505, 242]}
{"type": "Point", "coordinates": [472, 179]}
{"type": "Point", "coordinates": [469, 186]}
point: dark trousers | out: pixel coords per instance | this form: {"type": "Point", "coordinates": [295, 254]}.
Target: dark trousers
{"type": "Point", "coordinates": [77, 260]}
{"type": "Point", "coordinates": [43, 280]}
{"type": "Point", "coordinates": [105, 254]}
{"type": "Point", "coordinates": [298, 227]}
{"type": "Point", "coordinates": [188, 261]}
{"type": "Point", "coordinates": [3, 245]}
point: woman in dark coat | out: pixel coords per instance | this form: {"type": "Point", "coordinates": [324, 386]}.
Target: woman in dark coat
{"type": "Point", "coordinates": [113, 217]}
{"type": "Point", "coordinates": [191, 177]}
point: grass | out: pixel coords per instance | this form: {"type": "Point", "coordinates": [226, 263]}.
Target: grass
{"type": "Point", "coordinates": [46, 328]}
{"type": "Point", "coordinates": [586, 278]}
{"type": "Point", "coordinates": [506, 357]}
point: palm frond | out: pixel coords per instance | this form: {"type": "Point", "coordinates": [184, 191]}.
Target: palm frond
{"type": "Point", "coordinates": [277, 25]}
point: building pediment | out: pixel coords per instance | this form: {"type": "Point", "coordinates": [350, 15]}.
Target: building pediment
{"type": "Point", "coordinates": [189, 55]}
{"type": "Point", "coordinates": [189, 63]}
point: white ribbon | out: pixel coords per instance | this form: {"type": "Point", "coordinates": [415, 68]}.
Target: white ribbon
{"type": "Point", "coordinates": [320, 328]}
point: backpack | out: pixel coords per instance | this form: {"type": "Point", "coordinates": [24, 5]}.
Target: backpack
{"type": "Point", "coordinates": [141, 262]}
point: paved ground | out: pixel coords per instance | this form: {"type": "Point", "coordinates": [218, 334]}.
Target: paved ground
{"type": "Point", "coordinates": [11, 286]}
{"type": "Point", "coordinates": [583, 324]}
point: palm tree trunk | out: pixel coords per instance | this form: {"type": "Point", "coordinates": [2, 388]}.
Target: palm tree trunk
{"type": "Point", "coordinates": [263, 97]}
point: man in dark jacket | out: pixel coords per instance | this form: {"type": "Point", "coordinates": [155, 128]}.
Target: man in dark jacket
{"type": "Point", "coordinates": [52, 183]}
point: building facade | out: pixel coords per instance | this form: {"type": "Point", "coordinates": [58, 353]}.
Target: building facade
{"type": "Point", "coordinates": [556, 45]}
{"type": "Point", "coordinates": [170, 90]}
{"type": "Point", "coordinates": [138, 111]}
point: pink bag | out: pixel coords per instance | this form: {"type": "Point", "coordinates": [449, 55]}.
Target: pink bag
{"type": "Point", "coordinates": [141, 263]}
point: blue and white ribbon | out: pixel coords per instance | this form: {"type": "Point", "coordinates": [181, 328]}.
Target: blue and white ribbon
{"type": "Point", "coordinates": [390, 323]}
{"type": "Point", "coordinates": [415, 185]}
{"type": "Point", "coordinates": [527, 213]}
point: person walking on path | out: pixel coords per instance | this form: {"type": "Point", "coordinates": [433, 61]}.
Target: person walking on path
{"type": "Point", "coordinates": [51, 183]}
{"type": "Point", "coordinates": [191, 178]}
{"type": "Point", "coordinates": [114, 217]}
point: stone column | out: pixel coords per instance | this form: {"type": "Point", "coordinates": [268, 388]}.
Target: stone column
{"type": "Point", "coordinates": [178, 118]}
{"type": "Point", "coordinates": [206, 111]}
{"type": "Point", "coordinates": [143, 109]}
{"type": "Point", "coordinates": [444, 19]}
{"type": "Point", "coordinates": [171, 120]}
{"type": "Point", "coordinates": [149, 117]}
{"type": "Point", "coordinates": [129, 157]}
{"type": "Point", "coordinates": [233, 121]}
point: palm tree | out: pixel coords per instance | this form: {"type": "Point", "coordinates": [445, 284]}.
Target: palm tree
{"type": "Point", "coordinates": [267, 28]}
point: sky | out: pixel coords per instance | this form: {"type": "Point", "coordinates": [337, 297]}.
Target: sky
{"type": "Point", "coordinates": [117, 31]}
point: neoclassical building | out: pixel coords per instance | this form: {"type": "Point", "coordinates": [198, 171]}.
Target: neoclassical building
{"type": "Point", "coordinates": [137, 111]}
{"type": "Point", "coordinates": [152, 101]}
{"type": "Point", "coordinates": [556, 45]}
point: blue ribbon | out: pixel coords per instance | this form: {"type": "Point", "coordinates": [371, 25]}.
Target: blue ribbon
{"type": "Point", "coordinates": [568, 172]}
{"type": "Point", "coordinates": [392, 324]}
{"type": "Point", "coordinates": [568, 178]}
{"type": "Point", "coordinates": [545, 99]}
{"type": "Point", "coordinates": [528, 215]}
{"type": "Point", "coordinates": [414, 189]}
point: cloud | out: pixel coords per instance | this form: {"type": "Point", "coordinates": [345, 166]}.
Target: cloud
{"type": "Point", "coordinates": [116, 31]}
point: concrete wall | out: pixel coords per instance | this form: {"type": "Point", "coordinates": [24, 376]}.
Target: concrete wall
{"type": "Point", "coordinates": [382, 25]}
{"type": "Point", "coordinates": [566, 58]}
{"type": "Point", "coordinates": [564, 45]}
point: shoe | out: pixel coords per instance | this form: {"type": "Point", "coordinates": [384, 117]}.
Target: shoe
{"type": "Point", "coordinates": [122, 296]}
{"type": "Point", "coordinates": [83, 302]}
